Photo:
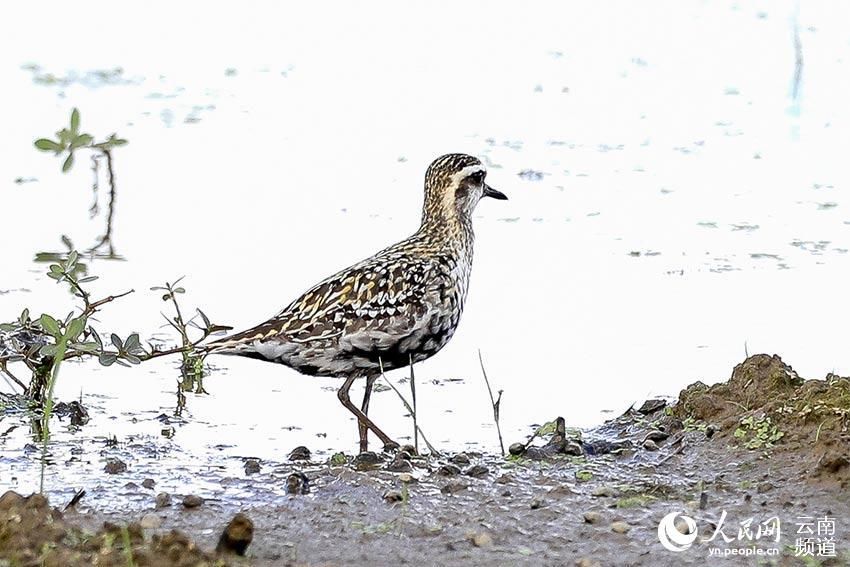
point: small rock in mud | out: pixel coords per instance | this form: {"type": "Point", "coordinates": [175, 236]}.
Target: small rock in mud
{"type": "Point", "coordinates": [516, 449]}
{"type": "Point", "coordinates": [192, 501]}
{"type": "Point", "coordinates": [620, 527]}
{"type": "Point", "coordinates": [460, 459]}
{"type": "Point", "coordinates": [393, 496]}
{"type": "Point", "coordinates": [406, 478]}
{"type": "Point", "coordinates": [592, 517]}
{"type": "Point", "coordinates": [764, 487]}
{"type": "Point", "coordinates": [587, 562]}
{"type": "Point", "coordinates": [149, 483]}
{"type": "Point", "coordinates": [652, 406]}
{"type": "Point", "coordinates": [604, 491]}
{"type": "Point", "coordinates": [831, 464]}
{"type": "Point", "coordinates": [297, 483]}
{"type": "Point", "coordinates": [237, 536]}
{"type": "Point", "coordinates": [366, 461]}
{"type": "Point", "coordinates": [477, 471]}
{"type": "Point", "coordinates": [449, 470]}
{"type": "Point", "coordinates": [656, 435]}
{"type": "Point", "coordinates": [453, 486]}
{"type": "Point", "coordinates": [115, 466]}
{"type": "Point", "coordinates": [252, 466]}
{"type": "Point", "coordinates": [131, 486]}
{"type": "Point", "coordinates": [163, 500]}
{"type": "Point", "coordinates": [536, 503]}
{"type": "Point", "coordinates": [150, 522]}
{"type": "Point", "coordinates": [480, 539]}
{"type": "Point", "coordinates": [409, 449]}
{"type": "Point", "coordinates": [300, 453]}
{"type": "Point", "coordinates": [11, 499]}
{"type": "Point", "coordinates": [400, 464]}
{"type": "Point", "coordinates": [650, 445]}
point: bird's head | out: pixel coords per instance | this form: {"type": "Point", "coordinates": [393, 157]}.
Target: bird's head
{"type": "Point", "coordinates": [454, 183]}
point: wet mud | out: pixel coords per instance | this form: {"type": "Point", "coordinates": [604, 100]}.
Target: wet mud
{"type": "Point", "coordinates": [765, 443]}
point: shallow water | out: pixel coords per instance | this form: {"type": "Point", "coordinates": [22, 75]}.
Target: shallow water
{"type": "Point", "coordinates": [673, 203]}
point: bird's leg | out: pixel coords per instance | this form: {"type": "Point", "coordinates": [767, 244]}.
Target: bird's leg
{"type": "Point", "coordinates": [343, 396]}
{"type": "Point", "coordinates": [367, 393]}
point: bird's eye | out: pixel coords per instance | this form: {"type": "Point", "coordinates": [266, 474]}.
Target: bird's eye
{"type": "Point", "coordinates": [477, 177]}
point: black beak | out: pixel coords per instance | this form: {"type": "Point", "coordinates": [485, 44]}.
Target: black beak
{"type": "Point", "coordinates": [490, 192]}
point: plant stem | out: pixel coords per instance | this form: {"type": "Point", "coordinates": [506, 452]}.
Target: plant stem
{"type": "Point", "coordinates": [494, 402]}
{"type": "Point", "coordinates": [431, 448]}
{"type": "Point", "coordinates": [61, 345]}
{"type": "Point", "coordinates": [413, 395]}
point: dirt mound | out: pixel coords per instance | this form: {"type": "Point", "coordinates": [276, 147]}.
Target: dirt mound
{"type": "Point", "coordinates": [34, 533]}
{"type": "Point", "coordinates": [765, 405]}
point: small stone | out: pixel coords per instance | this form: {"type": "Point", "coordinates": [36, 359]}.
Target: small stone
{"type": "Point", "coordinates": [393, 496]}
{"type": "Point", "coordinates": [605, 491]}
{"type": "Point", "coordinates": [506, 493]}
{"type": "Point", "coordinates": [237, 536]}
{"type": "Point", "coordinates": [449, 470]}
{"type": "Point", "coordinates": [366, 461]}
{"type": "Point", "coordinates": [764, 487]}
{"type": "Point", "coordinates": [574, 449]}
{"type": "Point", "coordinates": [620, 527]}
{"type": "Point", "coordinates": [150, 521]}
{"type": "Point", "coordinates": [516, 449]}
{"type": "Point", "coordinates": [131, 486]}
{"type": "Point", "coordinates": [300, 453]}
{"type": "Point", "coordinates": [11, 499]}
{"type": "Point", "coordinates": [297, 483]}
{"type": "Point", "coordinates": [252, 466]}
{"type": "Point", "coordinates": [592, 517]}
{"type": "Point", "coordinates": [651, 406]}
{"type": "Point", "coordinates": [406, 478]}
{"type": "Point", "coordinates": [399, 464]}
{"type": "Point", "coordinates": [453, 486]}
{"type": "Point", "coordinates": [536, 503]}
{"type": "Point", "coordinates": [409, 449]}
{"type": "Point", "coordinates": [657, 436]}
{"type": "Point", "coordinates": [535, 453]}
{"type": "Point", "coordinates": [149, 483]}
{"type": "Point", "coordinates": [163, 500]}
{"type": "Point", "coordinates": [460, 459]}
{"type": "Point", "coordinates": [703, 501]}
{"type": "Point", "coordinates": [477, 471]}
{"type": "Point", "coordinates": [587, 562]}
{"type": "Point", "coordinates": [480, 539]}
{"type": "Point", "coordinates": [650, 445]}
{"type": "Point", "coordinates": [115, 466]}
{"type": "Point", "coordinates": [192, 501]}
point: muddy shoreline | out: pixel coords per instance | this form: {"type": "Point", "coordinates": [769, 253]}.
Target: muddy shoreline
{"type": "Point", "coordinates": [763, 444]}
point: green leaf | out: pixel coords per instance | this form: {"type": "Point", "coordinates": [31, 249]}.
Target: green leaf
{"type": "Point", "coordinates": [56, 275]}
{"type": "Point", "coordinates": [69, 163]}
{"type": "Point", "coordinates": [132, 342]}
{"type": "Point", "coordinates": [46, 145]}
{"type": "Point", "coordinates": [47, 350]}
{"type": "Point", "coordinates": [85, 347]}
{"type": "Point", "coordinates": [8, 327]}
{"type": "Point", "coordinates": [87, 279]}
{"type": "Point", "coordinates": [75, 328]}
{"type": "Point", "coordinates": [72, 258]}
{"type": "Point", "coordinates": [116, 340]}
{"type": "Point", "coordinates": [132, 359]}
{"type": "Point", "coordinates": [50, 325]}
{"type": "Point", "coordinates": [180, 290]}
{"type": "Point", "coordinates": [107, 358]}
{"type": "Point", "coordinates": [81, 141]}
{"type": "Point", "coordinates": [96, 337]}
{"type": "Point", "coordinates": [75, 121]}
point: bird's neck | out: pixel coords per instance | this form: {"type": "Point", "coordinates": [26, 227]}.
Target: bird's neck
{"type": "Point", "coordinates": [449, 233]}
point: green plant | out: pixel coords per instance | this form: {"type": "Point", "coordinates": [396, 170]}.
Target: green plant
{"type": "Point", "coordinates": [758, 432]}
{"type": "Point", "coordinates": [495, 403]}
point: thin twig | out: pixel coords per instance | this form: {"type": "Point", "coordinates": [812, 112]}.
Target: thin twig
{"type": "Point", "coordinates": [431, 448]}
{"type": "Point", "coordinates": [413, 395]}
{"type": "Point", "coordinates": [495, 402]}
{"type": "Point", "coordinates": [10, 375]}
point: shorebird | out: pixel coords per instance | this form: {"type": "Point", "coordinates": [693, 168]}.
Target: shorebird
{"type": "Point", "coordinates": [393, 309]}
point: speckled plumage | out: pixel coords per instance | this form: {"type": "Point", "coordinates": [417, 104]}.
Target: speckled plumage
{"type": "Point", "coordinates": [402, 304]}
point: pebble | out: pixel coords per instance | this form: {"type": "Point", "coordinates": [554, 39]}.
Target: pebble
{"type": "Point", "coordinates": [460, 459]}
{"type": "Point", "coordinates": [366, 461]}
{"type": "Point", "coordinates": [449, 470]}
{"type": "Point", "coordinates": [297, 483]}
{"type": "Point", "coordinates": [300, 453]}
{"type": "Point", "coordinates": [620, 527]}
{"type": "Point", "coordinates": [115, 466]}
{"type": "Point", "coordinates": [192, 501]}
{"type": "Point", "coordinates": [650, 406]}
{"type": "Point", "coordinates": [252, 466]}
{"type": "Point", "coordinates": [516, 449]}
{"type": "Point", "coordinates": [399, 464]}
{"type": "Point", "coordinates": [587, 562]}
{"type": "Point", "coordinates": [764, 487]}
{"type": "Point", "coordinates": [657, 436]}
{"type": "Point", "coordinates": [150, 521]}
{"type": "Point", "coordinates": [409, 449]}
{"type": "Point", "coordinates": [477, 471]}
{"type": "Point", "coordinates": [406, 478]}
{"type": "Point", "coordinates": [393, 496]}
{"type": "Point", "coordinates": [650, 445]}
{"type": "Point", "coordinates": [592, 517]}
{"type": "Point", "coordinates": [603, 491]}
{"type": "Point", "coordinates": [453, 486]}
{"type": "Point", "coordinates": [536, 503]}
{"type": "Point", "coordinates": [149, 483]}
{"type": "Point", "coordinates": [481, 539]}
{"type": "Point", "coordinates": [163, 500]}
{"type": "Point", "coordinates": [237, 536]}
